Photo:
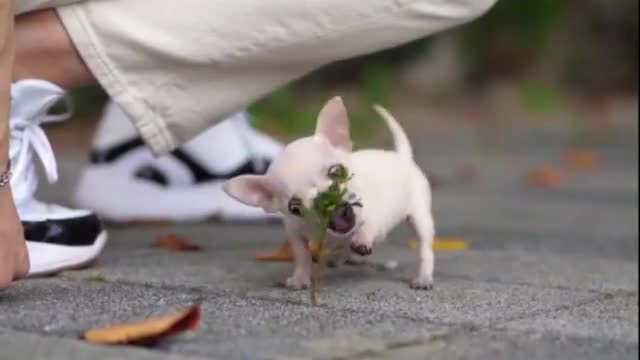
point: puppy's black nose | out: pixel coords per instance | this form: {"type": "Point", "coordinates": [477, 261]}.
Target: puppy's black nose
{"type": "Point", "coordinates": [362, 250]}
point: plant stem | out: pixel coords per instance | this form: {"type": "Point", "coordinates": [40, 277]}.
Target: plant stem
{"type": "Point", "coordinates": [321, 262]}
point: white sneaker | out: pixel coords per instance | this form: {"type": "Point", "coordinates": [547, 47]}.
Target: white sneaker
{"type": "Point", "coordinates": [185, 185]}
{"type": "Point", "coordinates": [58, 238]}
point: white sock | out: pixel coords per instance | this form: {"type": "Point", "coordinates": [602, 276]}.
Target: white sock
{"type": "Point", "coordinates": [222, 148]}
{"type": "Point", "coordinates": [114, 127]}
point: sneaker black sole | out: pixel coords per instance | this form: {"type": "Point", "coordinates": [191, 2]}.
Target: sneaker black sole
{"type": "Point", "coordinates": [65, 244]}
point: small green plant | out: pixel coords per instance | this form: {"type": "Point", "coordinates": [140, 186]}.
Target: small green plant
{"type": "Point", "coordinates": [323, 208]}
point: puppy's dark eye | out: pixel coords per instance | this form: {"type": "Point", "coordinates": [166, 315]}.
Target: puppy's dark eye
{"type": "Point", "coordinates": [295, 206]}
{"type": "Point", "coordinates": [337, 172]}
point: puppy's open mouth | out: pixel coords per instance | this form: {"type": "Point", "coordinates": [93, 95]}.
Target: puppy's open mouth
{"type": "Point", "coordinates": [344, 219]}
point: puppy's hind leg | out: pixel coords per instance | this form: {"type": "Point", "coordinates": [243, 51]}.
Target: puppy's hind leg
{"type": "Point", "coordinates": [421, 220]}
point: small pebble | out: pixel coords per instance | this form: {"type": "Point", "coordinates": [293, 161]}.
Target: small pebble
{"type": "Point", "coordinates": [391, 265]}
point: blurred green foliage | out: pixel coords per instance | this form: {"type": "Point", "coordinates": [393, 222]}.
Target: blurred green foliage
{"type": "Point", "coordinates": [89, 101]}
{"type": "Point", "coordinates": [292, 110]}
{"type": "Point", "coordinates": [286, 111]}
{"type": "Point", "coordinates": [538, 97]}
{"type": "Point", "coordinates": [510, 36]}
{"type": "Point", "coordinates": [604, 47]}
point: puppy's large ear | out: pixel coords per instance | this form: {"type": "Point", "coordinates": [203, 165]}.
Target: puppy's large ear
{"type": "Point", "coordinates": [333, 124]}
{"type": "Point", "coordinates": [252, 190]}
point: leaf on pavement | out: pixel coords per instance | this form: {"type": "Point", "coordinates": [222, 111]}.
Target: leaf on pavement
{"type": "Point", "coordinates": [283, 253]}
{"type": "Point", "coordinates": [547, 177]}
{"type": "Point", "coordinates": [146, 331]}
{"type": "Point", "coordinates": [444, 244]}
{"type": "Point", "coordinates": [467, 173]}
{"type": "Point", "coordinates": [175, 243]}
{"type": "Point", "coordinates": [582, 159]}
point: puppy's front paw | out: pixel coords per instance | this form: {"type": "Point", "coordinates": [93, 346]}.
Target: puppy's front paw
{"type": "Point", "coordinates": [422, 283]}
{"type": "Point", "coordinates": [361, 249]}
{"type": "Point", "coordinates": [298, 282]}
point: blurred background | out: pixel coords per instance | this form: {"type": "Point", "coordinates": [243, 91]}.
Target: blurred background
{"type": "Point", "coordinates": [561, 63]}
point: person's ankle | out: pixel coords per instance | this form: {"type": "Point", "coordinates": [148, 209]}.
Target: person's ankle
{"type": "Point", "coordinates": [14, 258]}
{"type": "Point", "coordinates": [5, 174]}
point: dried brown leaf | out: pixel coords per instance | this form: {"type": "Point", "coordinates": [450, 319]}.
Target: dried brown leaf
{"type": "Point", "coordinates": [547, 177]}
{"type": "Point", "coordinates": [175, 243]}
{"type": "Point", "coordinates": [582, 159]}
{"type": "Point", "coordinates": [146, 331]}
{"type": "Point", "coordinates": [467, 173]}
{"type": "Point", "coordinates": [283, 253]}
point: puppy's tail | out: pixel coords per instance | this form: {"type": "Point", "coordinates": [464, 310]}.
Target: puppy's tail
{"type": "Point", "coordinates": [400, 139]}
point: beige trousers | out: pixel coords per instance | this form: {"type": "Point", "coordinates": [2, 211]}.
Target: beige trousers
{"type": "Point", "coordinates": [178, 67]}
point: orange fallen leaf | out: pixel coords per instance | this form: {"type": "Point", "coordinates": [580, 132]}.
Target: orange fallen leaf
{"type": "Point", "coordinates": [175, 243]}
{"type": "Point", "coordinates": [444, 244]}
{"type": "Point", "coordinates": [147, 331]}
{"type": "Point", "coordinates": [467, 173]}
{"type": "Point", "coordinates": [283, 253]}
{"type": "Point", "coordinates": [582, 159]}
{"type": "Point", "coordinates": [547, 177]}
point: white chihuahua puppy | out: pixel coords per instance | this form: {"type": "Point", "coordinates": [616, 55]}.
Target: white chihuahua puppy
{"type": "Point", "coordinates": [386, 187]}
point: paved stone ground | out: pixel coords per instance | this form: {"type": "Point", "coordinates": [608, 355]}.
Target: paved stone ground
{"type": "Point", "coordinates": [549, 275]}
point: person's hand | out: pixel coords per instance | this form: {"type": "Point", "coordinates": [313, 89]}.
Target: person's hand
{"type": "Point", "coordinates": [14, 259]}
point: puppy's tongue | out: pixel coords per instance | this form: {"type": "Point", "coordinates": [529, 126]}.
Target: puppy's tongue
{"type": "Point", "coordinates": [344, 220]}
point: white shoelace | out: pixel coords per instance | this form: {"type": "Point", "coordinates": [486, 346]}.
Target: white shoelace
{"type": "Point", "coordinates": [27, 137]}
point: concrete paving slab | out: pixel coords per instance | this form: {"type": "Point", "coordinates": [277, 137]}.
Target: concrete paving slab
{"type": "Point", "coordinates": [453, 301]}
{"type": "Point", "coordinates": [338, 338]}
{"type": "Point", "coordinates": [513, 346]}
{"type": "Point", "coordinates": [231, 326]}
{"type": "Point", "coordinates": [27, 346]}
{"type": "Point", "coordinates": [617, 245]}
{"type": "Point", "coordinates": [359, 288]}
{"type": "Point", "coordinates": [67, 308]}
{"type": "Point", "coordinates": [611, 317]}
{"type": "Point", "coordinates": [542, 269]}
